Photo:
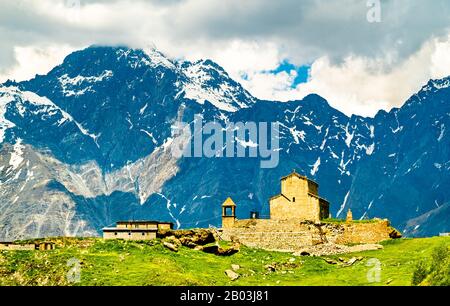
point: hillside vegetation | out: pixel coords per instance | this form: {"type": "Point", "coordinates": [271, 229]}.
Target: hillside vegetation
{"type": "Point", "coordinates": [116, 262]}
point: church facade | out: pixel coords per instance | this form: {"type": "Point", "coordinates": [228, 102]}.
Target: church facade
{"type": "Point", "coordinates": [299, 199]}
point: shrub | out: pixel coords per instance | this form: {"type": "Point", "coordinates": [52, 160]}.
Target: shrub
{"type": "Point", "coordinates": [437, 273]}
{"type": "Point", "coordinates": [420, 273]}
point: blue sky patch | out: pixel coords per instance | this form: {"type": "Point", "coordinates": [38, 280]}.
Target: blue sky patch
{"type": "Point", "coordinates": [302, 72]}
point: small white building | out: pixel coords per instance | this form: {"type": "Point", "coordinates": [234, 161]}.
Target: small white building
{"type": "Point", "coordinates": [135, 230]}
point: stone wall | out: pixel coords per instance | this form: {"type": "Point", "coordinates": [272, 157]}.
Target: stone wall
{"type": "Point", "coordinates": [281, 235]}
{"type": "Point", "coordinates": [228, 221]}
{"type": "Point", "coordinates": [289, 235]}
{"type": "Point", "coordinates": [352, 232]}
{"type": "Point", "coordinates": [17, 247]}
{"type": "Point", "coordinates": [132, 235]}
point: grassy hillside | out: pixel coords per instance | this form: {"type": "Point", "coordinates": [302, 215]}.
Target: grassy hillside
{"type": "Point", "coordinates": [149, 263]}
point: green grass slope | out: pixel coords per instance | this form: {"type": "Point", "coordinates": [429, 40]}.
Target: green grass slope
{"type": "Point", "coordinates": [116, 262]}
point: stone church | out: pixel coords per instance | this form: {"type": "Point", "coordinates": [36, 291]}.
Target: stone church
{"type": "Point", "coordinates": [297, 219]}
{"type": "Point", "coordinates": [299, 199]}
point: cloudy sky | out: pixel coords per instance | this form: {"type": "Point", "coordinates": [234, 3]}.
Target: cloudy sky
{"type": "Point", "coordinates": [361, 55]}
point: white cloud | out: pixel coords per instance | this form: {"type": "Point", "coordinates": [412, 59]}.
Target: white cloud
{"type": "Point", "coordinates": [34, 60]}
{"type": "Point", "coordinates": [440, 59]}
{"type": "Point", "coordinates": [358, 66]}
{"type": "Point", "coordinates": [271, 86]}
{"type": "Point", "coordinates": [360, 85]}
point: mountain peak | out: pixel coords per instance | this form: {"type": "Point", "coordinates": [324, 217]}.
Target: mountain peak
{"type": "Point", "coordinates": [436, 84]}
{"type": "Point", "coordinates": [150, 57]}
{"type": "Point", "coordinates": [110, 58]}
{"type": "Point", "coordinates": [433, 87]}
{"type": "Point", "coordinates": [208, 81]}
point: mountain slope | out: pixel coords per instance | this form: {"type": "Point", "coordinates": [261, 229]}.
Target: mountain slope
{"type": "Point", "coordinates": [104, 125]}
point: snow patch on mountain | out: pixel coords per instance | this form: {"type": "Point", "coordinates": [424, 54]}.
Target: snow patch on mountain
{"type": "Point", "coordinates": [296, 134]}
{"type": "Point", "coordinates": [142, 110]}
{"type": "Point", "coordinates": [315, 167]}
{"type": "Point", "coordinates": [348, 136]}
{"type": "Point", "coordinates": [437, 84]}
{"type": "Point", "coordinates": [367, 149]}
{"type": "Point", "coordinates": [205, 82]}
{"type": "Point", "coordinates": [441, 135]}
{"type": "Point", "coordinates": [5, 98]}
{"type": "Point", "coordinates": [157, 59]}
{"type": "Point", "coordinates": [43, 101]}
{"type": "Point", "coordinates": [370, 149]}
{"type": "Point", "coordinates": [246, 143]}
{"type": "Point", "coordinates": [47, 107]}
{"type": "Point", "coordinates": [149, 57]}
{"type": "Point", "coordinates": [169, 206]}
{"type": "Point", "coordinates": [372, 131]}
{"type": "Point", "coordinates": [341, 209]}
{"type": "Point", "coordinates": [87, 133]}
{"type": "Point", "coordinates": [16, 155]}
{"type": "Point", "coordinates": [150, 135]}
{"type": "Point", "coordinates": [73, 86]}
{"type": "Point", "coordinates": [442, 84]}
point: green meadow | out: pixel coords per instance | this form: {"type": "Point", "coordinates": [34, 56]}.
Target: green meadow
{"type": "Point", "coordinates": [98, 262]}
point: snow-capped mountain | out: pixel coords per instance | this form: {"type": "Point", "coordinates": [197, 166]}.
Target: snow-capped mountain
{"type": "Point", "coordinates": [89, 143]}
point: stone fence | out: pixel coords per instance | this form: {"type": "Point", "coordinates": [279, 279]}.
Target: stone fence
{"type": "Point", "coordinates": [288, 235]}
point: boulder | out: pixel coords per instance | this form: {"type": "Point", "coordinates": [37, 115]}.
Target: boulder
{"type": "Point", "coordinates": [198, 248]}
{"type": "Point", "coordinates": [188, 243]}
{"type": "Point", "coordinates": [211, 249]}
{"type": "Point", "coordinates": [232, 275]}
{"type": "Point", "coordinates": [170, 246]}
{"type": "Point", "coordinates": [189, 238]}
{"type": "Point", "coordinates": [175, 241]}
{"type": "Point", "coordinates": [235, 267]}
{"type": "Point", "coordinates": [228, 251]}
{"type": "Point", "coordinates": [302, 252]}
{"type": "Point", "coordinates": [351, 261]}
{"type": "Point", "coordinates": [395, 234]}
{"type": "Point", "coordinates": [330, 261]}
{"type": "Point", "coordinates": [270, 268]}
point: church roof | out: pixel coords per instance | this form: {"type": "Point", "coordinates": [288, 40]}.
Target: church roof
{"type": "Point", "coordinates": [279, 195]}
{"type": "Point", "coordinates": [317, 197]}
{"type": "Point", "coordinates": [294, 173]}
{"type": "Point", "coordinates": [142, 222]}
{"type": "Point", "coordinates": [228, 202]}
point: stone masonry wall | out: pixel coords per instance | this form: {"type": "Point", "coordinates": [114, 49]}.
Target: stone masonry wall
{"type": "Point", "coordinates": [281, 235]}
{"type": "Point", "coordinates": [349, 233]}
{"type": "Point", "coordinates": [288, 235]}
